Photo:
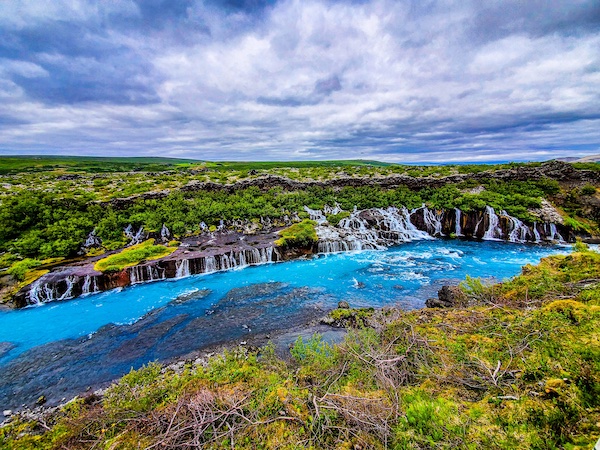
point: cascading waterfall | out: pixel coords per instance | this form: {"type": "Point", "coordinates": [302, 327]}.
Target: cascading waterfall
{"type": "Point", "coordinates": [136, 275]}
{"type": "Point", "coordinates": [330, 241]}
{"type": "Point", "coordinates": [316, 215]}
{"type": "Point", "coordinates": [135, 238]}
{"type": "Point", "coordinates": [518, 230]}
{"type": "Point", "coordinates": [433, 221]}
{"type": "Point", "coordinates": [536, 233]}
{"type": "Point", "coordinates": [237, 259]}
{"type": "Point", "coordinates": [183, 268]}
{"type": "Point", "coordinates": [165, 234]}
{"type": "Point", "coordinates": [336, 209]}
{"type": "Point", "coordinates": [398, 221]}
{"type": "Point", "coordinates": [210, 264]}
{"type": "Point", "coordinates": [358, 235]}
{"type": "Point", "coordinates": [370, 229]}
{"type": "Point", "coordinates": [494, 232]}
{"type": "Point", "coordinates": [42, 292]}
{"type": "Point", "coordinates": [34, 298]}
{"type": "Point", "coordinates": [552, 233]}
{"type": "Point", "coordinates": [373, 229]}
{"type": "Point", "coordinates": [458, 225]}
{"type": "Point", "coordinates": [90, 285]}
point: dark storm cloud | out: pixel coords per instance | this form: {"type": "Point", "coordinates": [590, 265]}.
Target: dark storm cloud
{"type": "Point", "coordinates": [291, 79]}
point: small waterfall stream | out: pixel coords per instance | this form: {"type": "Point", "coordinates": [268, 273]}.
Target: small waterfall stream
{"type": "Point", "coordinates": [183, 268]}
{"type": "Point", "coordinates": [458, 224]}
{"type": "Point", "coordinates": [493, 232]}
{"type": "Point", "coordinates": [433, 221]}
{"type": "Point", "coordinates": [518, 230]}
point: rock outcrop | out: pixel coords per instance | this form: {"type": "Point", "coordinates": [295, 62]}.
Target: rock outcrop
{"type": "Point", "coordinates": [556, 170]}
{"type": "Point", "coordinates": [448, 297]}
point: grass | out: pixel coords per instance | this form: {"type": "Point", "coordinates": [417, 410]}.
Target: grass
{"type": "Point", "coordinates": [94, 164]}
{"type": "Point", "coordinates": [145, 251]}
{"type": "Point", "coordinates": [517, 368]}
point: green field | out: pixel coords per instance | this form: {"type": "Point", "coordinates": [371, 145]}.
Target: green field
{"type": "Point", "coordinates": [16, 164]}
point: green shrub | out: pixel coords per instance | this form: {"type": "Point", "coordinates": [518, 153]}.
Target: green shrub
{"type": "Point", "coordinates": [301, 234]}
{"type": "Point", "coordinates": [334, 219]}
{"type": "Point", "coordinates": [588, 189]}
{"type": "Point", "coordinates": [19, 269]}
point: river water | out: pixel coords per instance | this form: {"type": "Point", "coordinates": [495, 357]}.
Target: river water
{"type": "Point", "coordinates": [59, 349]}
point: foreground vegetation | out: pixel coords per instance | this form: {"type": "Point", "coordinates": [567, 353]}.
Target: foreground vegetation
{"type": "Point", "coordinates": [516, 366]}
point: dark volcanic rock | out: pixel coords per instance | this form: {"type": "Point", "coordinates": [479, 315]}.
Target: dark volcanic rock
{"type": "Point", "coordinates": [556, 170]}
{"type": "Point", "coordinates": [448, 297]}
{"type": "Point", "coordinates": [194, 295]}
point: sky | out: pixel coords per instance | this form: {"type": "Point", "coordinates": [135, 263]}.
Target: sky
{"type": "Point", "coordinates": [398, 81]}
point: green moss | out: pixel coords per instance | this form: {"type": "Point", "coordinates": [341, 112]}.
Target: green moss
{"type": "Point", "coordinates": [132, 256]}
{"type": "Point", "coordinates": [301, 234]}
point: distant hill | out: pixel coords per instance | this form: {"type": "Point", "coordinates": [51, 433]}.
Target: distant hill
{"type": "Point", "coordinates": [585, 159]}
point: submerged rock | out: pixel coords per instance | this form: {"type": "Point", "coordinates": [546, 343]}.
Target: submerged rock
{"type": "Point", "coordinates": [6, 347]}
{"type": "Point", "coordinates": [194, 295]}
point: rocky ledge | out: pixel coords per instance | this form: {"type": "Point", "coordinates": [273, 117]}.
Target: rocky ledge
{"type": "Point", "coordinates": [556, 170]}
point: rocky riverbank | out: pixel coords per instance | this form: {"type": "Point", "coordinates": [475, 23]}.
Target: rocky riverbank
{"type": "Point", "coordinates": [370, 229]}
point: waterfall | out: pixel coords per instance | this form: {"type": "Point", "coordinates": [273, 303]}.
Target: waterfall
{"type": "Point", "coordinates": [134, 275]}
{"type": "Point", "coordinates": [92, 240]}
{"type": "Point", "coordinates": [316, 215]}
{"type": "Point", "coordinates": [165, 234]}
{"type": "Point", "coordinates": [330, 240]}
{"type": "Point", "coordinates": [69, 291]}
{"type": "Point", "coordinates": [359, 235]}
{"type": "Point", "coordinates": [536, 233]}
{"type": "Point", "coordinates": [210, 264]}
{"type": "Point", "coordinates": [494, 232]}
{"type": "Point", "coordinates": [41, 292]}
{"type": "Point", "coordinates": [552, 233]}
{"type": "Point", "coordinates": [398, 221]}
{"type": "Point", "coordinates": [432, 221]}
{"type": "Point", "coordinates": [134, 238]}
{"type": "Point", "coordinates": [336, 209]}
{"type": "Point", "coordinates": [371, 229]}
{"type": "Point", "coordinates": [458, 225]}
{"type": "Point", "coordinates": [183, 268]}
{"type": "Point", "coordinates": [154, 273]}
{"type": "Point", "coordinates": [89, 285]}
{"type": "Point", "coordinates": [34, 297]}
{"type": "Point", "coordinates": [518, 230]}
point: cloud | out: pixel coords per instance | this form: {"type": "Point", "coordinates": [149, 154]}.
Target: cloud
{"type": "Point", "coordinates": [252, 79]}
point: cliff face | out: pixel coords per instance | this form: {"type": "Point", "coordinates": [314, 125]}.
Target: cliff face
{"type": "Point", "coordinates": [555, 170]}
{"type": "Point", "coordinates": [375, 228]}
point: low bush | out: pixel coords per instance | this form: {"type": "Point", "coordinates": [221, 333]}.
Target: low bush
{"type": "Point", "coordinates": [19, 269]}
